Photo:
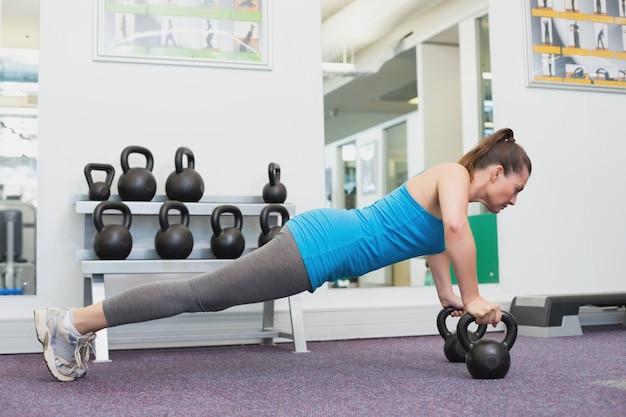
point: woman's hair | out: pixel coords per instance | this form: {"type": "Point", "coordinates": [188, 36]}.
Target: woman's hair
{"type": "Point", "coordinates": [497, 149]}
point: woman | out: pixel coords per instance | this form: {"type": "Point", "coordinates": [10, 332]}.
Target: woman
{"type": "Point", "coordinates": [426, 216]}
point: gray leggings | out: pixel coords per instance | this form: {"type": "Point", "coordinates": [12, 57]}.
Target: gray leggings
{"type": "Point", "coordinates": [273, 271]}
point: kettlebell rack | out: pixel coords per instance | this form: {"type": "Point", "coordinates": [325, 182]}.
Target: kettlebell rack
{"type": "Point", "coordinates": [144, 259]}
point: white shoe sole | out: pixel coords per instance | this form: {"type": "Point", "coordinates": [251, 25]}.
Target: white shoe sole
{"type": "Point", "coordinates": [43, 334]}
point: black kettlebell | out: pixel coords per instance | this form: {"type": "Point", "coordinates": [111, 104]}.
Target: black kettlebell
{"type": "Point", "coordinates": [274, 191]}
{"type": "Point", "coordinates": [136, 184]}
{"type": "Point", "coordinates": [99, 190]}
{"type": "Point", "coordinates": [487, 358]}
{"type": "Point", "coordinates": [112, 241]}
{"type": "Point", "coordinates": [227, 242]}
{"type": "Point", "coordinates": [268, 232]}
{"type": "Point", "coordinates": [451, 347]}
{"type": "Point", "coordinates": [184, 184]}
{"type": "Point", "coordinates": [173, 241]}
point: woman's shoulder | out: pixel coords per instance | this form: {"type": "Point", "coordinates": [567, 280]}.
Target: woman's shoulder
{"type": "Point", "coordinates": [425, 188]}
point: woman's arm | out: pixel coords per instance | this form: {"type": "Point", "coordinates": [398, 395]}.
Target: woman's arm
{"type": "Point", "coordinates": [453, 193]}
{"type": "Point", "coordinates": [439, 265]}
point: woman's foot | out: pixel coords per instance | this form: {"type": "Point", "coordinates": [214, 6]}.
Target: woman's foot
{"type": "Point", "coordinates": [66, 352]}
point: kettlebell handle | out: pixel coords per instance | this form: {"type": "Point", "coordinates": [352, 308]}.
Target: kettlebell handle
{"type": "Point", "coordinates": [110, 171]}
{"type": "Point", "coordinates": [136, 149]}
{"type": "Point", "coordinates": [173, 205]}
{"type": "Point", "coordinates": [507, 319]}
{"type": "Point", "coordinates": [443, 329]}
{"type": "Point", "coordinates": [178, 159]}
{"type": "Point", "coordinates": [217, 213]}
{"type": "Point", "coordinates": [265, 215]}
{"type": "Point", "coordinates": [273, 171]}
{"type": "Point", "coordinates": [111, 205]}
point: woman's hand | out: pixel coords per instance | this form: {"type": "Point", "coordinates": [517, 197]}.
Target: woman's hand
{"type": "Point", "coordinates": [484, 311]}
{"type": "Point", "coordinates": [454, 301]}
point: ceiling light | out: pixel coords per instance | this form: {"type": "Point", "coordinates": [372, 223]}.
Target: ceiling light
{"type": "Point", "coordinates": [348, 152]}
{"type": "Point", "coordinates": [414, 100]}
{"type": "Point", "coordinates": [486, 75]}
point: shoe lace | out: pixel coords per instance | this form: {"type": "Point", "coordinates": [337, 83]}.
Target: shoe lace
{"type": "Point", "coordinates": [84, 347]}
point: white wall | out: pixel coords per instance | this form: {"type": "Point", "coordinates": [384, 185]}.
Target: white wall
{"type": "Point", "coordinates": [235, 122]}
{"type": "Point", "coordinates": [439, 114]}
{"type": "Point", "coordinates": [567, 231]}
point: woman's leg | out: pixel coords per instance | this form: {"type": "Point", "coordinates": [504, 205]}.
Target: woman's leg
{"type": "Point", "coordinates": [273, 271]}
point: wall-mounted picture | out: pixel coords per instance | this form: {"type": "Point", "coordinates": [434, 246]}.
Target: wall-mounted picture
{"type": "Point", "coordinates": [576, 44]}
{"type": "Point", "coordinates": [223, 33]}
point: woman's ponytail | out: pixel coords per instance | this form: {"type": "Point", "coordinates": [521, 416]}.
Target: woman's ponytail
{"type": "Point", "coordinates": [497, 149]}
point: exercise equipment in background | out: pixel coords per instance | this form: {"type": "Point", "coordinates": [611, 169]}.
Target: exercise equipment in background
{"type": "Point", "coordinates": [173, 241]}
{"type": "Point", "coordinates": [227, 242]}
{"type": "Point", "coordinates": [268, 232]}
{"type": "Point", "coordinates": [10, 250]}
{"type": "Point", "coordinates": [274, 191]}
{"type": "Point", "coordinates": [558, 315]}
{"type": "Point", "coordinates": [99, 190]}
{"type": "Point", "coordinates": [184, 184]}
{"type": "Point", "coordinates": [112, 241]}
{"type": "Point", "coordinates": [136, 184]}
{"type": "Point", "coordinates": [10, 235]}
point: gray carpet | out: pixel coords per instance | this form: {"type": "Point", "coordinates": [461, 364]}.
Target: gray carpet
{"type": "Point", "coordinates": [570, 376]}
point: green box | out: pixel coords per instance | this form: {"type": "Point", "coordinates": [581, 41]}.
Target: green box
{"type": "Point", "coordinates": [485, 230]}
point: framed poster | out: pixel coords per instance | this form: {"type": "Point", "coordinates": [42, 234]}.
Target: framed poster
{"type": "Point", "coordinates": [579, 44]}
{"type": "Point", "coordinates": [223, 33]}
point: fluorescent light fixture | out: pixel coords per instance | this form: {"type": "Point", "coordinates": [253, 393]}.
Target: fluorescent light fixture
{"type": "Point", "coordinates": [348, 152]}
{"type": "Point", "coordinates": [414, 100]}
{"type": "Point", "coordinates": [337, 67]}
{"type": "Point", "coordinates": [486, 76]}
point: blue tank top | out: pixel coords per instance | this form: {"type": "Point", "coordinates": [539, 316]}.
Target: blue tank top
{"type": "Point", "coordinates": [338, 243]}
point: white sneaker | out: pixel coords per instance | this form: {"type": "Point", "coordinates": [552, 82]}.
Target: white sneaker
{"type": "Point", "coordinates": [65, 354]}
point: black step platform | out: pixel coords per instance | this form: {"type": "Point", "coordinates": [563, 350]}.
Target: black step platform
{"type": "Point", "coordinates": [557, 315]}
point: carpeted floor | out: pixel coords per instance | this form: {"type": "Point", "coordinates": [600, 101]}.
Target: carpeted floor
{"type": "Point", "coordinates": [569, 376]}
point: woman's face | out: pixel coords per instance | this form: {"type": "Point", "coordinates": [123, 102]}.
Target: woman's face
{"type": "Point", "coordinates": [504, 189]}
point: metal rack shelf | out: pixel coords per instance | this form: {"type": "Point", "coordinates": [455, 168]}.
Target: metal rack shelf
{"type": "Point", "coordinates": [195, 209]}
